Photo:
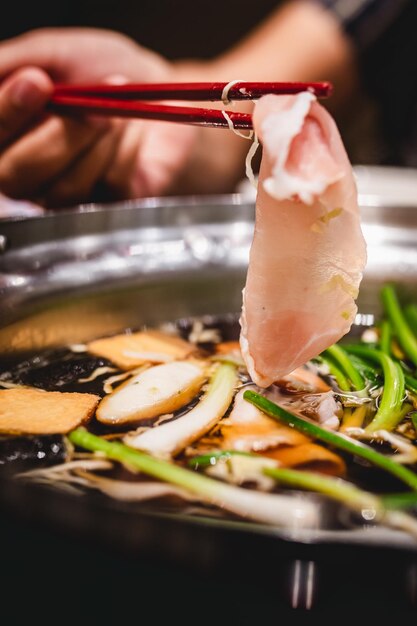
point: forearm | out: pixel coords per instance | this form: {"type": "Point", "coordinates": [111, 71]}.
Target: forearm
{"type": "Point", "coordinates": [300, 41]}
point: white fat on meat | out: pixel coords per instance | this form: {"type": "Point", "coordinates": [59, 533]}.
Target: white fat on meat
{"type": "Point", "coordinates": [308, 252]}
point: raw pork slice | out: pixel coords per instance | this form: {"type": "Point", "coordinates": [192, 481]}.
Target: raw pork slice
{"type": "Point", "coordinates": [308, 252]}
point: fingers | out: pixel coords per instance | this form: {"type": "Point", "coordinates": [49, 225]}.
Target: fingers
{"type": "Point", "coordinates": [119, 177]}
{"type": "Point", "coordinates": [55, 50]}
{"type": "Point", "coordinates": [35, 161]}
{"type": "Point", "coordinates": [150, 158]}
{"type": "Point", "coordinates": [78, 183]}
{"type": "Point", "coordinates": [32, 48]}
{"type": "Point", "coordinates": [164, 152]}
{"type": "Point", "coordinates": [81, 54]}
{"type": "Point", "coordinates": [23, 97]}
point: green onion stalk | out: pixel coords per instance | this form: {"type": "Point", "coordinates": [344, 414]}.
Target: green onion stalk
{"type": "Point", "coordinates": [410, 313]}
{"type": "Point", "coordinates": [342, 442]}
{"type": "Point", "coordinates": [213, 457]}
{"type": "Point", "coordinates": [347, 375]}
{"type": "Point", "coordinates": [367, 371]}
{"type": "Point", "coordinates": [414, 420]}
{"type": "Point", "coordinates": [370, 506]}
{"type": "Point", "coordinates": [400, 326]}
{"type": "Point", "coordinates": [335, 488]}
{"type": "Point", "coordinates": [410, 383]}
{"type": "Point", "coordinates": [170, 438]}
{"type": "Point", "coordinates": [340, 357]}
{"type": "Point", "coordinates": [389, 413]}
{"type": "Point", "coordinates": [337, 373]}
{"type": "Point", "coordinates": [276, 509]}
{"type": "Point", "coordinates": [406, 500]}
{"type": "Point", "coordinates": [385, 338]}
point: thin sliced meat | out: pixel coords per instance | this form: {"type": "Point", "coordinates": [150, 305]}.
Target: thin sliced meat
{"type": "Point", "coordinates": [308, 251]}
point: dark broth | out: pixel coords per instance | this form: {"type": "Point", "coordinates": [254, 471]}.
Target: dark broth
{"type": "Point", "coordinates": [62, 369]}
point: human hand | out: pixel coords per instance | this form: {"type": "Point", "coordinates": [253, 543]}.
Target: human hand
{"type": "Point", "coordinates": [58, 161]}
{"type": "Point", "coordinates": [61, 160]}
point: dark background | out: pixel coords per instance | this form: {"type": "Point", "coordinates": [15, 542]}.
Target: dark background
{"type": "Point", "coordinates": [176, 29]}
{"type": "Point", "coordinates": [66, 559]}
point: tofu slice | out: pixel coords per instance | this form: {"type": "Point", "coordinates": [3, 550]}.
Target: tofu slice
{"type": "Point", "coordinates": [151, 346]}
{"type": "Point", "coordinates": [35, 412]}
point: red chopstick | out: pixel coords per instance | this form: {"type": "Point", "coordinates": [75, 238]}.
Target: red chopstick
{"type": "Point", "coordinates": [141, 110]}
{"type": "Point", "coordinates": [242, 90]}
{"type": "Point", "coordinates": [122, 100]}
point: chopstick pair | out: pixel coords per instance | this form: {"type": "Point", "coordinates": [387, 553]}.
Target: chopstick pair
{"type": "Point", "coordinates": [124, 100]}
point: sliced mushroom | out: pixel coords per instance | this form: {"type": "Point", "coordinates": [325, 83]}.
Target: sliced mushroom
{"type": "Point", "coordinates": [172, 437]}
{"type": "Point", "coordinates": [157, 390]}
{"type": "Point", "coordinates": [151, 346]}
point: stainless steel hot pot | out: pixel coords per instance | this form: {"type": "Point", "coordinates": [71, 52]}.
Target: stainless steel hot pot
{"type": "Point", "coordinates": [70, 276]}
